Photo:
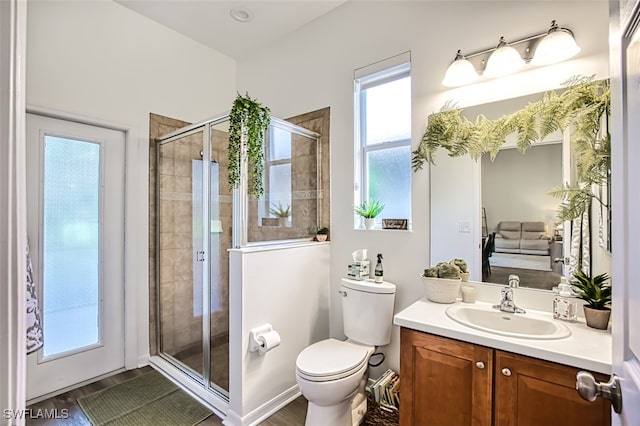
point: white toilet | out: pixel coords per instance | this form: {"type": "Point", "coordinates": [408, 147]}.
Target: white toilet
{"type": "Point", "coordinates": [331, 373]}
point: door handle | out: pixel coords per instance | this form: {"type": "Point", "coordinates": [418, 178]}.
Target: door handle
{"type": "Point", "coordinates": [589, 389]}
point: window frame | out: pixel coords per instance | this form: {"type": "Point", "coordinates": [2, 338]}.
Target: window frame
{"type": "Point", "coordinates": [270, 148]}
{"type": "Point", "coordinates": [361, 84]}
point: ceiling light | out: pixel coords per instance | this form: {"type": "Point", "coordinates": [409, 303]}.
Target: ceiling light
{"type": "Point", "coordinates": [241, 15]}
{"type": "Point", "coordinates": [554, 45]}
{"type": "Point", "coordinates": [460, 72]}
{"type": "Point", "coordinates": [557, 46]}
{"type": "Point", "coordinates": [503, 61]}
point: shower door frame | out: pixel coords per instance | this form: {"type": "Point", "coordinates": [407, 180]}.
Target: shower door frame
{"type": "Point", "coordinates": [205, 380]}
{"type": "Point", "coordinates": [240, 197]}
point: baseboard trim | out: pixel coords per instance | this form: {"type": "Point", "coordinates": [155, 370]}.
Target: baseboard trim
{"type": "Point", "coordinates": [264, 411]}
{"type": "Point", "coordinates": [143, 360]}
{"type": "Point", "coordinates": [74, 386]}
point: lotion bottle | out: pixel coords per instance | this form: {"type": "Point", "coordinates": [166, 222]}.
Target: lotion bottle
{"type": "Point", "coordinates": [564, 304]}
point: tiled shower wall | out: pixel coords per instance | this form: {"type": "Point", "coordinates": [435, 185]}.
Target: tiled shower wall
{"type": "Point", "coordinates": [319, 122]}
{"type": "Point", "coordinates": [304, 193]}
{"type": "Point", "coordinates": [158, 125]}
{"type": "Point", "coordinates": [180, 328]}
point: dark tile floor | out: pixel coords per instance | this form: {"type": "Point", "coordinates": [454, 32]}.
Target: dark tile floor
{"type": "Point", "coordinates": [291, 415]}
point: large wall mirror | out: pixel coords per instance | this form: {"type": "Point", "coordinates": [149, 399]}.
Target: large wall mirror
{"type": "Point", "coordinates": [517, 212]}
{"type": "Point", "coordinates": [507, 202]}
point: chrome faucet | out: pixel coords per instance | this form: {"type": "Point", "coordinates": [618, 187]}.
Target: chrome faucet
{"type": "Point", "coordinates": [514, 281]}
{"type": "Point", "coordinates": [507, 304]}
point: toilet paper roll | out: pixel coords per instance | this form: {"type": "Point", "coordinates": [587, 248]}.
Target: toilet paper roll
{"type": "Point", "coordinates": [268, 341]}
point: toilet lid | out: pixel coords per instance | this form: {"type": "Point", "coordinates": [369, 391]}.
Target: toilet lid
{"type": "Point", "coordinates": [331, 358]}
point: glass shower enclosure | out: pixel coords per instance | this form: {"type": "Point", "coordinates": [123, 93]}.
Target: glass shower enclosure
{"type": "Point", "coordinates": [199, 218]}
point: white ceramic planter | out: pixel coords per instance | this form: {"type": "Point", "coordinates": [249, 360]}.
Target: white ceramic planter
{"type": "Point", "coordinates": [369, 223]}
{"type": "Point", "coordinates": [441, 290]}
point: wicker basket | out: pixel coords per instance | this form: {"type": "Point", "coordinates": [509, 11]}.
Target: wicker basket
{"type": "Point", "coordinates": [378, 415]}
{"type": "Point", "coordinates": [441, 290]}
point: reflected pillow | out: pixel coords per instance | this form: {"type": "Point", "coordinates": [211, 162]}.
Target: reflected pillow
{"type": "Point", "coordinates": [529, 235]}
{"type": "Point", "coordinates": [510, 235]}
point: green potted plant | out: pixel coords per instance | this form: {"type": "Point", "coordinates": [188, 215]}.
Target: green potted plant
{"type": "Point", "coordinates": [369, 210]}
{"type": "Point", "coordinates": [442, 282]}
{"type": "Point", "coordinates": [322, 234]}
{"type": "Point", "coordinates": [597, 293]}
{"type": "Point", "coordinates": [281, 212]}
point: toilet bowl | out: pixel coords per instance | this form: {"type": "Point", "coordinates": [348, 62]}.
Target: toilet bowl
{"type": "Point", "coordinates": [330, 374]}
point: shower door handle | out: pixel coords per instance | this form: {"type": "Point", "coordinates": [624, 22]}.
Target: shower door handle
{"type": "Point", "coordinates": [199, 256]}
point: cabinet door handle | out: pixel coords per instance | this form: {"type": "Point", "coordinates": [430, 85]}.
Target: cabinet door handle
{"type": "Point", "coordinates": [506, 372]}
{"type": "Point", "coordinates": [480, 365]}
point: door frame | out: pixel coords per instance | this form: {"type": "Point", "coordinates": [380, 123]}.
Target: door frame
{"type": "Point", "coordinates": [136, 312]}
{"type": "Point", "coordinates": [13, 217]}
{"type": "Point", "coordinates": [625, 364]}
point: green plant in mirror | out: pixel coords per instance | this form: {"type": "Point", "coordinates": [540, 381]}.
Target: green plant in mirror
{"type": "Point", "coordinates": [278, 210]}
{"type": "Point", "coordinates": [584, 107]}
{"type": "Point", "coordinates": [594, 290]}
{"type": "Point", "coordinates": [248, 124]}
{"type": "Point", "coordinates": [369, 209]}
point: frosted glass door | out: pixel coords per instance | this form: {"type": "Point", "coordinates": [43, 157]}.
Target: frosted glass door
{"type": "Point", "coordinates": [75, 207]}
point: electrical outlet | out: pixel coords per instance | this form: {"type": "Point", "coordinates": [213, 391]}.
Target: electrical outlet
{"type": "Point", "coordinates": [464, 226]}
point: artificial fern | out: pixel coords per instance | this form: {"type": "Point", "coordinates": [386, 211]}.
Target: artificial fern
{"type": "Point", "coordinates": [584, 107]}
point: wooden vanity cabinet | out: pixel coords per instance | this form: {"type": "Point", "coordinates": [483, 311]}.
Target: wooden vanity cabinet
{"type": "Point", "coordinates": [530, 391]}
{"type": "Point", "coordinates": [444, 381]}
{"type": "Point", "coordinates": [448, 382]}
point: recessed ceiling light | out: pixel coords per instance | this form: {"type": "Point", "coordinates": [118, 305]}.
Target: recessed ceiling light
{"type": "Point", "coordinates": [241, 15]}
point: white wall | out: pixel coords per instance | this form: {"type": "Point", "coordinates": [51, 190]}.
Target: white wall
{"type": "Point", "coordinates": [99, 60]}
{"type": "Point", "coordinates": [313, 68]}
{"type": "Point", "coordinates": [287, 287]}
{"type": "Point", "coordinates": [515, 187]}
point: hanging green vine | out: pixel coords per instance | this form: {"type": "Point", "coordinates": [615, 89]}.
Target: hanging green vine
{"type": "Point", "coordinates": [250, 117]}
{"type": "Point", "coordinates": [584, 107]}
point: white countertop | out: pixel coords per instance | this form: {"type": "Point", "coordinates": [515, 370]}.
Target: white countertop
{"type": "Point", "coordinates": [586, 348]}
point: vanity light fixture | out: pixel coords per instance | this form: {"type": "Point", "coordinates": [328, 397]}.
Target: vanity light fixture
{"type": "Point", "coordinates": [557, 44]}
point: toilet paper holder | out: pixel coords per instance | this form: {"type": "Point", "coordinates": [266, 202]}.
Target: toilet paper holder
{"type": "Point", "coordinates": [254, 344]}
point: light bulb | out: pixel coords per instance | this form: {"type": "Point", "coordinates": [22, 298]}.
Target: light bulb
{"type": "Point", "coordinates": [505, 60]}
{"type": "Point", "coordinates": [460, 72]}
{"type": "Point", "coordinates": [557, 46]}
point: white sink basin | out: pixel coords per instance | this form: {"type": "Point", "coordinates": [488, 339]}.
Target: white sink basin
{"type": "Point", "coordinates": [522, 326]}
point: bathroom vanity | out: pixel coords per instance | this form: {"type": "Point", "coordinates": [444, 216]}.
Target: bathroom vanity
{"type": "Point", "coordinates": [453, 374]}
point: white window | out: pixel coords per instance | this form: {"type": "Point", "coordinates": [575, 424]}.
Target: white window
{"type": "Point", "coordinates": [383, 141]}
{"type": "Point", "coordinates": [277, 174]}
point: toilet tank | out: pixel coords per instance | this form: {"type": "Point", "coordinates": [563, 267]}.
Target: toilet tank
{"type": "Point", "coordinates": [367, 311]}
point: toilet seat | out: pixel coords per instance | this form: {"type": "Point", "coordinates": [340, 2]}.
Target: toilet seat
{"type": "Point", "coordinates": [331, 359]}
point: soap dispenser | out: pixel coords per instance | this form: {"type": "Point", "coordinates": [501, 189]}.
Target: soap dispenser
{"type": "Point", "coordinates": [564, 305]}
